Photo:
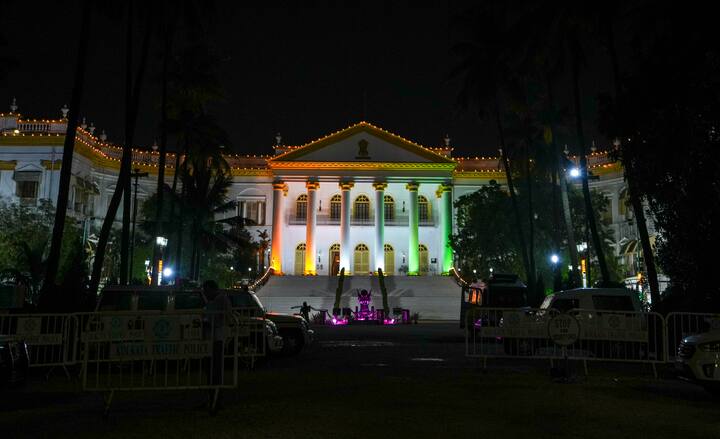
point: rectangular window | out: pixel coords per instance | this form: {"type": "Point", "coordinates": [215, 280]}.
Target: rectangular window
{"type": "Point", "coordinates": [252, 209]}
{"type": "Point", "coordinates": [27, 184]}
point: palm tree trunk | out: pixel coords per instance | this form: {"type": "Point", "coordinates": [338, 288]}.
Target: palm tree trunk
{"type": "Point", "coordinates": [163, 150]}
{"type": "Point", "coordinates": [531, 228]}
{"type": "Point", "coordinates": [567, 216]}
{"type": "Point", "coordinates": [125, 182]}
{"type": "Point", "coordinates": [68, 149]}
{"type": "Point", "coordinates": [511, 188]}
{"type": "Point", "coordinates": [635, 198]}
{"type": "Point", "coordinates": [125, 165]}
{"type": "Point", "coordinates": [583, 164]}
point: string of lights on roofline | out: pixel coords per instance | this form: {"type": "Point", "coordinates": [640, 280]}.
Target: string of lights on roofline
{"type": "Point", "coordinates": [101, 141]}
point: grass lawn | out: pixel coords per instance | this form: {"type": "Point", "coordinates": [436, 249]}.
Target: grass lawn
{"type": "Point", "coordinates": [381, 402]}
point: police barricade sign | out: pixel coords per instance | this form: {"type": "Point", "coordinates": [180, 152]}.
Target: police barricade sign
{"type": "Point", "coordinates": [251, 334]}
{"type": "Point", "coordinates": [509, 332]}
{"type": "Point", "coordinates": [159, 351]}
{"type": "Point", "coordinates": [581, 334]}
{"type": "Point", "coordinates": [46, 335]}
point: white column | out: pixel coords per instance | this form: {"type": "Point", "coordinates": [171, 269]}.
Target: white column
{"type": "Point", "coordinates": [444, 192]}
{"type": "Point", "coordinates": [310, 252]}
{"type": "Point", "coordinates": [379, 226]}
{"type": "Point", "coordinates": [345, 250]}
{"type": "Point", "coordinates": [279, 192]}
{"type": "Point", "coordinates": [413, 244]}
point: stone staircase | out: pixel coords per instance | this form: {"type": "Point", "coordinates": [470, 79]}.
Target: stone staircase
{"type": "Point", "coordinates": [433, 297]}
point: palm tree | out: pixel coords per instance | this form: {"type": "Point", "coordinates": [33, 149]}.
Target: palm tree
{"type": "Point", "coordinates": [483, 67]}
{"type": "Point", "coordinates": [556, 31]}
{"type": "Point", "coordinates": [132, 98]}
{"type": "Point", "coordinates": [193, 13]}
{"type": "Point", "coordinates": [68, 149]}
{"type": "Point", "coordinates": [206, 180]}
{"type": "Point", "coordinates": [609, 13]}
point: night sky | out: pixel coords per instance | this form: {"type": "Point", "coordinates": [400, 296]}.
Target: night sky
{"type": "Point", "coordinates": [301, 71]}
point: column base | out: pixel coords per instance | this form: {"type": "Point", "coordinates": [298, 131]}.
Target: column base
{"type": "Point", "coordinates": [310, 273]}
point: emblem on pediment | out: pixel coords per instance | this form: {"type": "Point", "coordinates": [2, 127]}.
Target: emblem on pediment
{"type": "Point", "coordinates": [362, 150]}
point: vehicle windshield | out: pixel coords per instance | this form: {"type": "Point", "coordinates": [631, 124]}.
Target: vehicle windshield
{"type": "Point", "coordinates": [188, 300]}
{"type": "Point", "coordinates": [115, 301]}
{"type": "Point", "coordinates": [152, 300]}
{"type": "Point", "coordinates": [246, 300]}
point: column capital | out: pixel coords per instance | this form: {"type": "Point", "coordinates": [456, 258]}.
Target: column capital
{"type": "Point", "coordinates": [346, 185]}
{"type": "Point", "coordinates": [280, 186]}
{"type": "Point", "coordinates": [412, 186]}
{"type": "Point", "coordinates": [380, 186]}
{"type": "Point", "coordinates": [442, 189]}
{"type": "Point", "coordinates": [312, 185]}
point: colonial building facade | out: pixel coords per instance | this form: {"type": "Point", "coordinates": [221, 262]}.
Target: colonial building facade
{"type": "Point", "coordinates": [361, 198]}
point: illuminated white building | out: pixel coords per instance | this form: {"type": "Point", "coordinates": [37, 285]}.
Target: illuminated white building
{"type": "Point", "coordinates": [361, 198]}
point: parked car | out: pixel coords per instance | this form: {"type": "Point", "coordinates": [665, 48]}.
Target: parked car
{"type": "Point", "coordinates": [499, 291]}
{"type": "Point", "coordinates": [169, 299]}
{"type": "Point", "coordinates": [145, 298]}
{"type": "Point", "coordinates": [293, 328]}
{"type": "Point", "coordinates": [597, 299]}
{"type": "Point", "coordinates": [698, 360]}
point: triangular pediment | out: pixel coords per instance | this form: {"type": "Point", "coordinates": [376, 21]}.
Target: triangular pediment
{"type": "Point", "coordinates": [363, 143]}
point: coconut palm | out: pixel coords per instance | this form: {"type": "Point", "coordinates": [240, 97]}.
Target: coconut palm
{"type": "Point", "coordinates": [557, 30]}
{"type": "Point", "coordinates": [483, 67]}
{"type": "Point", "coordinates": [609, 17]}
{"type": "Point", "coordinates": [206, 180]}
{"type": "Point", "coordinates": [69, 147]}
{"type": "Point", "coordinates": [132, 98]}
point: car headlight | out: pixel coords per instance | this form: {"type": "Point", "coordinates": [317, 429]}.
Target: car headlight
{"type": "Point", "coordinates": [713, 346]}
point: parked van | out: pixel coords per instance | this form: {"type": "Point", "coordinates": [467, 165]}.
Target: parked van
{"type": "Point", "coordinates": [596, 299]}
{"type": "Point", "coordinates": [499, 291]}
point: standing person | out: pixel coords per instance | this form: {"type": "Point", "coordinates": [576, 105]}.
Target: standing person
{"type": "Point", "coordinates": [305, 311]}
{"type": "Point", "coordinates": [218, 307]}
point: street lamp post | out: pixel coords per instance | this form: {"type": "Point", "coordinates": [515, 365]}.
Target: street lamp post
{"type": "Point", "coordinates": [161, 242]}
{"type": "Point", "coordinates": [135, 174]}
{"type": "Point", "coordinates": [555, 259]}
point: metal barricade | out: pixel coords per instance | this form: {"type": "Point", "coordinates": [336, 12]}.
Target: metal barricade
{"type": "Point", "coordinates": [679, 325]}
{"type": "Point", "coordinates": [508, 333]}
{"type": "Point", "coordinates": [587, 335]}
{"type": "Point", "coordinates": [129, 351]}
{"type": "Point", "coordinates": [48, 337]}
{"type": "Point", "coordinates": [251, 334]}
{"type": "Point", "coordinates": [618, 336]}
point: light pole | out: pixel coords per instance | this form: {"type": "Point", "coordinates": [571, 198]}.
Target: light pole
{"type": "Point", "coordinates": [555, 259]}
{"type": "Point", "coordinates": [135, 174]}
{"type": "Point", "coordinates": [161, 242]}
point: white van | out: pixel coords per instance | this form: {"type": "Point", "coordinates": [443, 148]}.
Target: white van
{"type": "Point", "coordinates": [596, 299]}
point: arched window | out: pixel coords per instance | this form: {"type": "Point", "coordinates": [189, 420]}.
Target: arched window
{"type": "Point", "coordinates": [300, 259]}
{"type": "Point", "coordinates": [361, 261]}
{"type": "Point", "coordinates": [423, 253]}
{"type": "Point", "coordinates": [361, 208]}
{"type": "Point", "coordinates": [389, 208]}
{"type": "Point", "coordinates": [389, 259]}
{"type": "Point", "coordinates": [423, 209]}
{"type": "Point", "coordinates": [334, 259]}
{"type": "Point", "coordinates": [301, 207]}
{"type": "Point", "coordinates": [335, 206]}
